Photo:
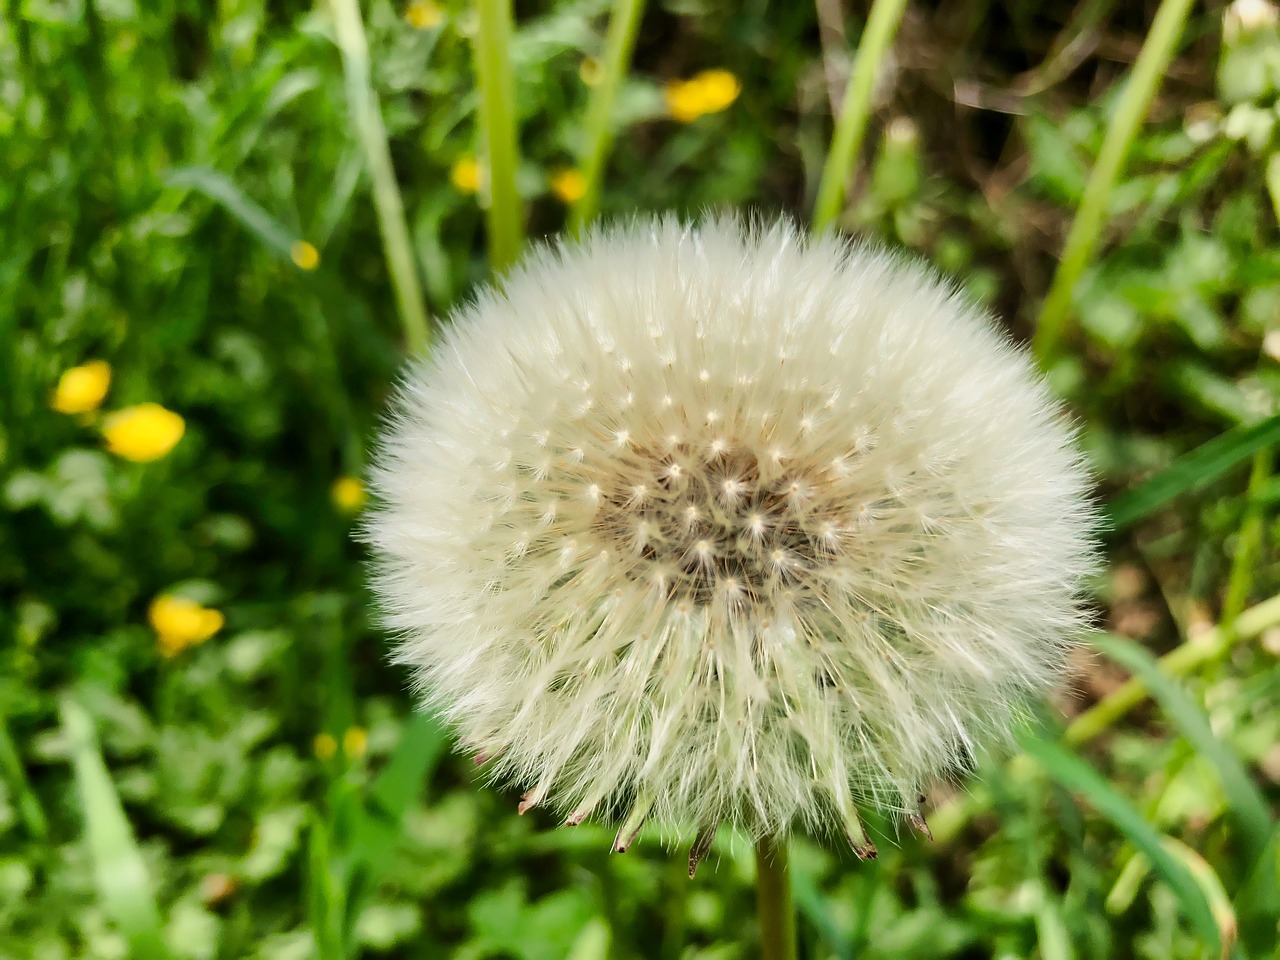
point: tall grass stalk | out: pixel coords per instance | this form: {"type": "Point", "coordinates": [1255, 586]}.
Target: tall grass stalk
{"type": "Point", "coordinates": [498, 124]}
{"type": "Point", "coordinates": [1139, 91]}
{"type": "Point", "coordinates": [623, 26]}
{"type": "Point", "coordinates": [851, 126]}
{"type": "Point", "coordinates": [367, 117]}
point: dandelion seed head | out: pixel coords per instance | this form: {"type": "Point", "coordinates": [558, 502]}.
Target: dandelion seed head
{"type": "Point", "coordinates": [837, 590]}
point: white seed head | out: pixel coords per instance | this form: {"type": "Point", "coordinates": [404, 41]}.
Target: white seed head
{"type": "Point", "coordinates": [836, 590]}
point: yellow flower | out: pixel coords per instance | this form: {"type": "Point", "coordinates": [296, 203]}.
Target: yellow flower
{"type": "Point", "coordinates": [568, 185]}
{"type": "Point", "coordinates": [355, 742]}
{"type": "Point", "coordinates": [143, 433]}
{"type": "Point", "coordinates": [348, 494]}
{"type": "Point", "coordinates": [590, 71]}
{"type": "Point", "coordinates": [180, 623]}
{"type": "Point", "coordinates": [305, 255]}
{"type": "Point", "coordinates": [423, 15]}
{"type": "Point", "coordinates": [465, 175]}
{"type": "Point", "coordinates": [707, 92]}
{"type": "Point", "coordinates": [82, 389]}
{"type": "Point", "coordinates": [325, 746]}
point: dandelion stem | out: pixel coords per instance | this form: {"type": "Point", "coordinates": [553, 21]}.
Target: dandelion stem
{"type": "Point", "coordinates": [1140, 89]}
{"type": "Point", "coordinates": [623, 26]}
{"type": "Point", "coordinates": [498, 123]}
{"type": "Point", "coordinates": [367, 117]}
{"type": "Point", "coordinates": [773, 896]}
{"type": "Point", "coordinates": [851, 125]}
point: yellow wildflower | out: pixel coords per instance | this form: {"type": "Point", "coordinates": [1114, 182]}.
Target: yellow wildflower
{"type": "Point", "coordinates": [82, 389]}
{"type": "Point", "coordinates": [590, 71]}
{"type": "Point", "coordinates": [355, 742]}
{"type": "Point", "coordinates": [423, 15]}
{"type": "Point", "coordinates": [348, 494]}
{"type": "Point", "coordinates": [180, 623]}
{"type": "Point", "coordinates": [143, 433]}
{"type": "Point", "coordinates": [305, 255]}
{"type": "Point", "coordinates": [707, 92]}
{"type": "Point", "coordinates": [568, 185]}
{"type": "Point", "coordinates": [465, 175]}
{"type": "Point", "coordinates": [325, 746]}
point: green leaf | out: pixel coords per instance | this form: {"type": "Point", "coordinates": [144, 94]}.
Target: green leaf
{"type": "Point", "coordinates": [1193, 471]}
{"type": "Point", "coordinates": [118, 867]}
{"type": "Point", "coordinates": [1258, 903]}
{"type": "Point", "coordinates": [1246, 805]}
{"type": "Point", "coordinates": [1078, 776]}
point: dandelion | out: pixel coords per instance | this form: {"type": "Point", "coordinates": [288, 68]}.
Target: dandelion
{"type": "Point", "coordinates": [590, 71]}
{"type": "Point", "coordinates": [180, 623]}
{"type": "Point", "coordinates": [355, 742]}
{"type": "Point", "coordinates": [325, 746]}
{"type": "Point", "coordinates": [423, 15]}
{"type": "Point", "coordinates": [143, 433]}
{"type": "Point", "coordinates": [568, 185]}
{"type": "Point", "coordinates": [708, 92]}
{"type": "Point", "coordinates": [465, 175]}
{"type": "Point", "coordinates": [82, 389]}
{"type": "Point", "coordinates": [348, 494]}
{"type": "Point", "coordinates": [304, 255]}
{"type": "Point", "coordinates": [716, 524]}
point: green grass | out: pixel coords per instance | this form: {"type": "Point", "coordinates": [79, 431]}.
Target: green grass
{"type": "Point", "coordinates": [161, 165]}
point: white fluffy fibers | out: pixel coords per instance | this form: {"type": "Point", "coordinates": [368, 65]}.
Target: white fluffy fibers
{"type": "Point", "coordinates": [717, 523]}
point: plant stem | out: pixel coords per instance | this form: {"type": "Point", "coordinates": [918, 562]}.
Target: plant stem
{"type": "Point", "coordinates": [367, 117]}
{"type": "Point", "coordinates": [498, 123]}
{"type": "Point", "coordinates": [773, 897]}
{"type": "Point", "coordinates": [851, 126]}
{"type": "Point", "coordinates": [1140, 89]}
{"type": "Point", "coordinates": [624, 23]}
{"type": "Point", "coordinates": [1248, 541]}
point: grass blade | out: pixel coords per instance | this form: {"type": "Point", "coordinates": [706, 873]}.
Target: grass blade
{"type": "Point", "coordinates": [119, 870]}
{"type": "Point", "coordinates": [624, 23]}
{"type": "Point", "coordinates": [851, 125]}
{"type": "Point", "coordinates": [1245, 804]}
{"type": "Point", "coordinates": [28, 804]}
{"type": "Point", "coordinates": [387, 203]}
{"type": "Point", "coordinates": [1076, 775]}
{"type": "Point", "coordinates": [222, 189]}
{"type": "Point", "coordinates": [1193, 470]}
{"type": "Point", "coordinates": [1140, 89]}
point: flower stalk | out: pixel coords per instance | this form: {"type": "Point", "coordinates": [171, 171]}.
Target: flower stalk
{"type": "Point", "coordinates": [774, 900]}
{"type": "Point", "coordinates": [621, 41]}
{"type": "Point", "coordinates": [498, 124]}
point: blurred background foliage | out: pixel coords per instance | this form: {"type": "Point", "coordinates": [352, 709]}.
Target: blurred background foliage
{"type": "Point", "coordinates": [203, 753]}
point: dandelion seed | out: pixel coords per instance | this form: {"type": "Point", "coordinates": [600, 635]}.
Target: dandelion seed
{"type": "Point", "coordinates": [82, 389]}
{"type": "Point", "coordinates": [798, 615]}
{"type": "Point", "coordinates": [143, 433]}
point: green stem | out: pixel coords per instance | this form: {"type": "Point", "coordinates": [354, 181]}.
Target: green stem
{"type": "Point", "coordinates": [1244, 561]}
{"type": "Point", "coordinates": [367, 117]}
{"type": "Point", "coordinates": [773, 897]}
{"type": "Point", "coordinates": [498, 123]}
{"type": "Point", "coordinates": [851, 126]}
{"type": "Point", "coordinates": [623, 26]}
{"type": "Point", "coordinates": [1199, 650]}
{"type": "Point", "coordinates": [1152, 64]}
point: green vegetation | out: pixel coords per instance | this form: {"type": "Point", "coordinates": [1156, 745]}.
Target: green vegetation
{"type": "Point", "coordinates": [251, 212]}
